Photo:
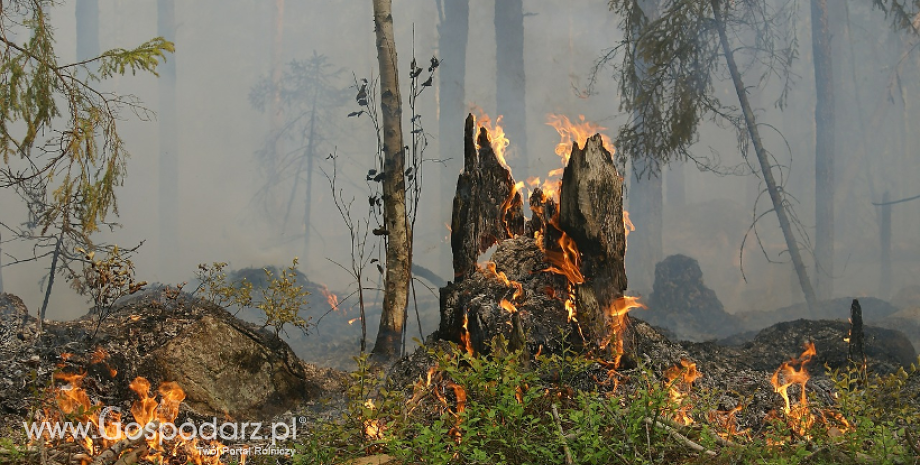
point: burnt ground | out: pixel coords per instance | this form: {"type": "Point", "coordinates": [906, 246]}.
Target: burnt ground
{"type": "Point", "coordinates": [135, 333]}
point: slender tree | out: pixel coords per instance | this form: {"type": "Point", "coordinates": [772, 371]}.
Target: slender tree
{"type": "Point", "coordinates": [666, 73]}
{"type": "Point", "coordinates": [645, 199]}
{"type": "Point", "coordinates": [167, 119]}
{"type": "Point", "coordinates": [396, 225]}
{"type": "Point", "coordinates": [61, 150]}
{"type": "Point", "coordinates": [510, 82]}
{"type": "Point", "coordinates": [453, 29]}
{"type": "Point", "coordinates": [824, 149]}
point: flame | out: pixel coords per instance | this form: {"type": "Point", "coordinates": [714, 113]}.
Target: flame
{"type": "Point", "coordinates": [351, 321]}
{"type": "Point", "coordinates": [510, 202]}
{"type": "Point", "coordinates": [491, 271]}
{"type": "Point", "coordinates": [508, 306]}
{"type": "Point", "coordinates": [331, 298]}
{"type": "Point", "coordinates": [627, 224]}
{"type": "Point", "coordinates": [579, 133]}
{"type": "Point", "coordinates": [73, 401]}
{"type": "Point", "coordinates": [465, 336]}
{"type": "Point", "coordinates": [372, 428]}
{"type": "Point", "coordinates": [680, 380]}
{"type": "Point", "coordinates": [567, 260]}
{"type": "Point", "coordinates": [496, 135]}
{"type": "Point", "coordinates": [799, 416]}
{"type": "Point", "coordinates": [616, 324]}
{"type": "Point", "coordinates": [727, 421]}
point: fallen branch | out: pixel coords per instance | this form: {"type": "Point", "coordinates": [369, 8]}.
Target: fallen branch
{"type": "Point", "coordinates": [565, 443]}
{"type": "Point", "coordinates": [680, 437]}
{"type": "Point", "coordinates": [110, 455]}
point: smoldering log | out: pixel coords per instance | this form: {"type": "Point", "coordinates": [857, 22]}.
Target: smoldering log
{"type": "Point", "coordinates": [487, 207]}
{"type": "Point", "coordinates": [591, 213]}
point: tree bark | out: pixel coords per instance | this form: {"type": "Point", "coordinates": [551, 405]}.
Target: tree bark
{"type": "Point", "coordinates": [591, 213]}
{"type": "Point", "coordinates": [167, 120]}
{"type": "Point", "coordinates": [398, 234]}
{"type": "Point", "coordinates": [824, 150]}
{"type": "Point", "coordinates": [779, 205]}
{"type": "Point", "coordinates": [453, 30]}
{"type": "Point", "coordinates": [510, 88]}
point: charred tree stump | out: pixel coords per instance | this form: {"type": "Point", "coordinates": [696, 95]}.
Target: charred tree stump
{"type": "Point", "coordinates": [487, 206]}
{"type": "Point", "coordinates": [591, 213]}
{"type": "Point", "coordinates": [857, 339]}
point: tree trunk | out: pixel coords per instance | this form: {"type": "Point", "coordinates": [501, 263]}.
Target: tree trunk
{"type": "Point", "coordinates": [398, 235]}
{"type": "Point", "coordinates": [276, 113]}
{"type": "Point", "coordinates": [509, 54]}
{"type": "Point", "coordinates": [87, 13]}
{"type": "Point", "coordinates": [824, 150]}
{"type": "Point", "coordinates": [591, 213]}
{"type": "Point", "coordinates": [54, 261]}
{"type": "Point", "coordinates": [776, 196]}
{"type": "Point", "coordinates": [645, 207]}
{"type": "Point", "coordinates": [452, 38]}
{"type": "Point", "coordinates": [645, 202]}
{"type": "Point", "coordinates": [167, 120]}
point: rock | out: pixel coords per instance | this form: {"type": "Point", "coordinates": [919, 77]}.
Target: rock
{"type": "Point", "coordinates": [228, 369]}
{"type": "Point", "coordinates": [886, 349]}
{"type": "Point", "coordinates": [14, 316]}
{"type": "Point", "coordinates": [682, 304]}
{"type": "Point", "coordinates": [874, 310]}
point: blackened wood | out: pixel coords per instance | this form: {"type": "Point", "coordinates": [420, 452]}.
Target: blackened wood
{"type": "Point", "coordinates": [591, 213]}
{"type": "Point", "coordinates": [857, 347]}
{"type": "Point", "coordinates": [487, 207]}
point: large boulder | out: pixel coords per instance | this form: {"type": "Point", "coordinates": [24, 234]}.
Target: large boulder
{"type": "Point", "coordinates": [227, 367]}
{"type": "Point", "coordinates": [683, 305]}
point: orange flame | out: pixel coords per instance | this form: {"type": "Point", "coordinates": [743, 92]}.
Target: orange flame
{"type": "Point", "coordinates": [627, 224]}
{"type": "Point", "coordinates": [496, 135]}
{"type": "Point", "coordinates": [800, 415]}
{"type": "Point", "coordinates": [508, 306]}
{"type": "Point", "coordinates": [679, 381]}
{"type": "Point", "coordinates": [331, 298]}
{"type": "Point", "coordinates": [579, 133]}
{"type": "Point", "coordinates": [491, 271]}
{"type": "Point", "coordinates": [616, 324]}
{"type": "Point", "coordinates": [465, 337]}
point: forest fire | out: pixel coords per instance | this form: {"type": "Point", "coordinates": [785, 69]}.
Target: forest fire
{"type": "Point", "coordinates": [146, 438]}
{"type": "Point", "coordinates": [331, 299]}
{"type": "Point", "coordinates": [679, 380]}
{"type": "Point", "coordinates": [799, 416]}
{"type": "Point", "coordinates": [497, 137]}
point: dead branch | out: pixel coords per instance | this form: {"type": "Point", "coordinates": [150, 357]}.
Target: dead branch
{"type": "Point", "coordinates": [680, 437]}
{"type": "Point", "coordinates": [565, 443]}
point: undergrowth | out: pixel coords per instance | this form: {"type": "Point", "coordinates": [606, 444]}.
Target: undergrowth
{"type": "Point", "coordinates": [498, 409]}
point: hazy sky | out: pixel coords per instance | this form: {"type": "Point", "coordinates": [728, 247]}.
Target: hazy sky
{"type": "Point", "coordinates": [223, 49]}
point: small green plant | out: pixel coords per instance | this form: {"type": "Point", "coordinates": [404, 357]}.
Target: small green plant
{"type": "Point", "coordinates": [280, 301]}
{"type": "Point", "coordinates": [105, 281]}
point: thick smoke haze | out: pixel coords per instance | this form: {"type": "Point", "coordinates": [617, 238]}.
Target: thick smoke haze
{"type": "Point", "coordinates": [224, 48]}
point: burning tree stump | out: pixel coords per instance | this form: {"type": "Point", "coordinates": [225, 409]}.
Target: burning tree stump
{"type": "Point", "coordinates": [559, 285]}
{"type": "Point", "coordinates": [591, 213]}
{"type": "Point", "coordinates": [487, 206]}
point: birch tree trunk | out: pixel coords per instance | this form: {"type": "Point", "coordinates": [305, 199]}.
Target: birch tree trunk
{"type": "Point", "coordinates": [398, 235]}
